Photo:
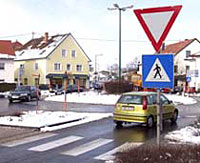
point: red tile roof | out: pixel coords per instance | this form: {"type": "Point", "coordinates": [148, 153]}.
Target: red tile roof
{"type": "Point", "coordinates": [177, 47]}
{"type": "Point", "coordinates": [17, 45]}
{"type": "Point", "coordinates": [6, 47]}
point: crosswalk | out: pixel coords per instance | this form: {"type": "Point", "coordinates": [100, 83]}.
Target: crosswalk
{"type": "Point", "coordinates": [54, 142]}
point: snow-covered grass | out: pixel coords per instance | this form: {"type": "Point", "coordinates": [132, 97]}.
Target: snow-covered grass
{"type": "Point", "coordinates": [48, 120]}
{"type": "Point", "coordinates": [103, 98]}
{"type": "Point", "coordinates": [188, 135]}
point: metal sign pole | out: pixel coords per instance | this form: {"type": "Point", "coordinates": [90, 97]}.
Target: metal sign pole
{"type": "Point", "coordinates": [65, 90]}
{"type": "Point", "coordinates": [158, 117]}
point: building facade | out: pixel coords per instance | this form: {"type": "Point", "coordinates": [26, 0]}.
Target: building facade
{"type": "Point", "coordinates": [7, 55]}
{"type": "Point", "coordinates": [55, 59]}
{"type": "Point", "coordinates": [185, 62]}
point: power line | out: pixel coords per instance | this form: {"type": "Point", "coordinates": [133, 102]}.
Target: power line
{"type": "Point", "coordinates": [112, 40]}
{"type": "Point", "coordinates": [19, 35]}
{"type": "Point", "coordinates": [90, 39]}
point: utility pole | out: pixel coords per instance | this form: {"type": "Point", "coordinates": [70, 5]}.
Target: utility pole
{"type": "Point", "coordinates": [116, 7]}
{"type": "Point", "coordinates": [96, 73]}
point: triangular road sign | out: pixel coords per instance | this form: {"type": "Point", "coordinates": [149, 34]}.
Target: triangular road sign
{"type": "Point", "coordinates": [157, 22]}
{"type": "Point", "coordinates": [157, 73]}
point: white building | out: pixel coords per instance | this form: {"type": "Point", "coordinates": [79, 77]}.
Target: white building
{"type": "Point", "coordinates": [7, 55]}
{"type": "Point", "coordinates": [186, 61]}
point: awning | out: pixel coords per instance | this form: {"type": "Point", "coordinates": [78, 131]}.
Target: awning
{"type": "Point", "coordinates": [62, 76]}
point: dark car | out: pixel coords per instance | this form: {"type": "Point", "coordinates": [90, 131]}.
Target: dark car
{"type": "Point", "coordinates": [24, 93]}
{"type": "Point", "coordinates": [72, 88]}
{"type": "Point", "coordinates": [177, 89]}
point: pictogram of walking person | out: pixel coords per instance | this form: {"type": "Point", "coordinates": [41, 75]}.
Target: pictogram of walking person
{"type": "Point", "coordinates": [157, 69]}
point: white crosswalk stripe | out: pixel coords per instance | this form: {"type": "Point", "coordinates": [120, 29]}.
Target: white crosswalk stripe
{"type": "Point", "coordinates": [110, 154]}
{"type": "Point", "coordinates": [56, 143]}
{"type": "Point", "coordinates": [87, 147]}
{"type": "Point", "coordinates": [28, 140]}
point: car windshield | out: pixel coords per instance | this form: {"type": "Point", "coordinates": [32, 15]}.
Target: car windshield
{"type": "Point", "coordinates": [22, 88]}
{"type": "Point", "coordinates": [130, 99]}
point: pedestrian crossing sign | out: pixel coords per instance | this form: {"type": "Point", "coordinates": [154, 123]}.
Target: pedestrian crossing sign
{"type": "Point", "coordinates": [158, 71]}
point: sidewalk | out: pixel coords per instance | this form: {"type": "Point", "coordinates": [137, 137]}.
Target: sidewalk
{"type": "Point", "coordinates": [13, 133]}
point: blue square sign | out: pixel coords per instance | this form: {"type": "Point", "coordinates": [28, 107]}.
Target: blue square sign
{"type": "Point", "coordinates": [158, 71]}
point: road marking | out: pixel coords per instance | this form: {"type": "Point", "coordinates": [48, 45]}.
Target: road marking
{"type": "Point", "coordinates": [110, 154]}
{"type": "Point", "coordinates": [28, 140]}
{"type": "Point", "coordinates": [87, 147]}
{"type": "Point", "coordinates": [55, 144]}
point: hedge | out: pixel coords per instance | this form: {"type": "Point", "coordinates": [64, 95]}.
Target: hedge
{"type": "Point", "coordinates": [118, 87]}
{"type": "Point", "coordinates": [4, 87]}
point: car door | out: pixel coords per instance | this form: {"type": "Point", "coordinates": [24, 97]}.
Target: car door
{"type": "Point", "coordinates": [152, 107]}
{"type": "Point", "coordinates": [166, 106]}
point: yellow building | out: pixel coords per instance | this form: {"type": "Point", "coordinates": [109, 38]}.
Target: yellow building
{"type": "Point", "coordinates": [50, 57]}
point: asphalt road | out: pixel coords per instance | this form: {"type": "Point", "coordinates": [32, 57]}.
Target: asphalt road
{"type": "Point", "coordinates": [87, 143]}
{"type": "Point", "coordinates": [8, 108]}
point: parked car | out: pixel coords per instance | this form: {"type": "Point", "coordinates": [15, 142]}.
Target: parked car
{"type": "Point", "coordinates": [140, 107]}
{"type": "Point", "coordinates": [56, 91]}
{"type": "Point", "coordinates": [73, 88]}
{"type": "Point", "coordinates": [177, 89]}
{"type": "Point", "coordinates": [24, 93]}
{"type": "Point", "coordinates": [166, 90]}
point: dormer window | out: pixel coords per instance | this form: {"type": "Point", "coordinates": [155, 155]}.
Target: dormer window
{"type": "Point", "coordinates": [188, 53]}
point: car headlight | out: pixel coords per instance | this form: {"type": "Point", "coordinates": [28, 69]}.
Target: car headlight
{"type": "Point", "coordinates": [24, 94]}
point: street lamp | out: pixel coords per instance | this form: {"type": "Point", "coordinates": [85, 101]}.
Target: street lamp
{"type": "Point", "coordinates": [97, 55]}
{"type": "Point", "coordinates": [116, 7]}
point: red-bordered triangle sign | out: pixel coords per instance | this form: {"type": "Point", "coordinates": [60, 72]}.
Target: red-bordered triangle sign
{"type": "Point", "coordinates": [157, 22]}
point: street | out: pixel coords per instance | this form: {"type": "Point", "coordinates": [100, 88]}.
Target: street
{"type": "Point", "coordinates": [91, 142]}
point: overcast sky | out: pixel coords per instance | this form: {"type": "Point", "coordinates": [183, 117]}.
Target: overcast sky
{"type": "Point", "coordinates": [94, 27]}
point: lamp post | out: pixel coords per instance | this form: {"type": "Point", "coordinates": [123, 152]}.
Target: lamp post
{"type": "Point", "coordinates": [97, 55]}
{"type": "Point", "coordinates": [116, 7]}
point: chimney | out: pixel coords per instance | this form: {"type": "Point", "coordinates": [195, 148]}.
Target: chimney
{"type": "Point", "coordinates": [46, 36]}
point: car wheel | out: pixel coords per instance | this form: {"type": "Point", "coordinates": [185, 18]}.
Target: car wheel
{"type": "Point", "coordinates": [28, 98]}
{"type": "Point", "coordinates": [119, 123]}
{"type": "Point", "coordinates": [10, 101]}
{"type": "Point", "coordinates": [174, 116]}
{"type": "Point", "coordinates": [150, 122]}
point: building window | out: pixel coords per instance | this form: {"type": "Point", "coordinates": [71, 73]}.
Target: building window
{"type": "Point", "coordinates": [25, 81]}
{"type": "Point", "coordinates": [36, 81]}
{"type": "Point", "coordinates": [57, 67]}
{"type": "Point", "coordinates": [68, 67]}
{"type": "Point", "coordinates": [188, 53]}
{"type": "Point", "coordinates": [21, 66]}
{"type": "Point", "coordinates": [73, 53]}
{"type": "Point", "coordinates": [63, 53]}
{"type": "Point", "coordinates": [2, 66]}
{"type": "Point", "coordinates": [187, 68]}
{"type": "Point", "coordinates": [176, 69]}
{"type": "Point", "coordinates": [36, 66]}
{"type": "Point", "coordinates": [79, 68]}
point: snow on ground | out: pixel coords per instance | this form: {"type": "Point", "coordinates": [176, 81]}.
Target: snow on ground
{"type": "Point", "coordinates": [90, 97]}
{"type": "Point", "coordinates": [180, 99]}
{"type": "Point", "coordinates": [100, 98]}
{"type": "Point", "coordinates": [48, 120]}
{"type": "Point", "coordinates": [187, 135]}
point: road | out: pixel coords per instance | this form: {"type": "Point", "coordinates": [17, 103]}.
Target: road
{"type": "Point", "coordinates": [88, 143]}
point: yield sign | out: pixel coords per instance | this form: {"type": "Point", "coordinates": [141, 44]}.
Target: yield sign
{"type": "Point", "coordinates": [157, 22]}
